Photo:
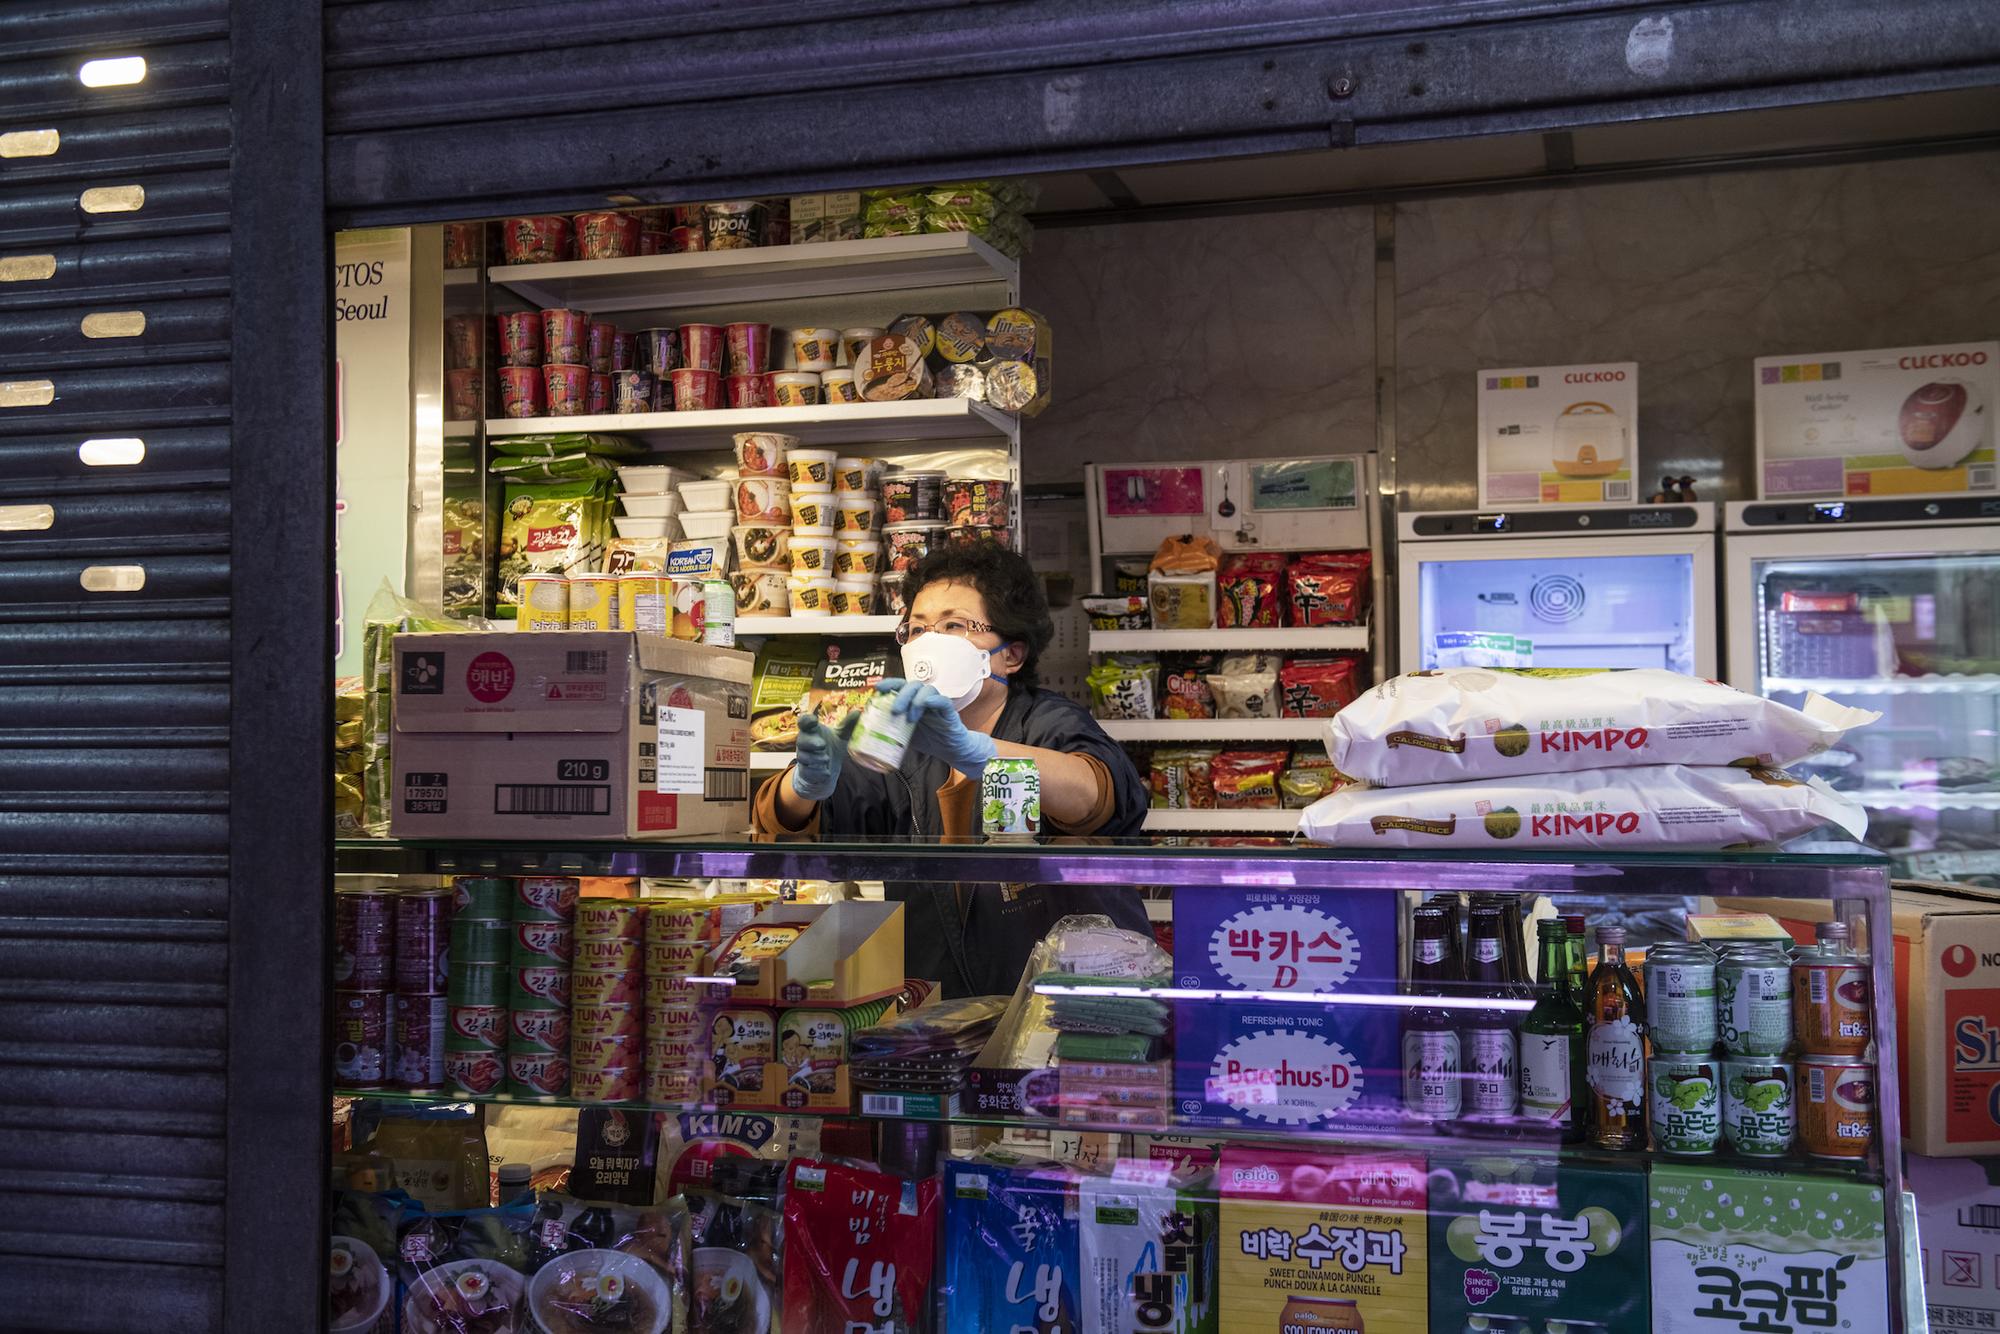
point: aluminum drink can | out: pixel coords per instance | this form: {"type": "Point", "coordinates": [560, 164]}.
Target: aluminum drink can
{"type": "Point", "coordinates": [545, 898]}
{"type": "Point", "coordinates": [1753, 1001]}
{"type": "Point", "coordinates": [1836, 1099]}
{"type": "Point", "coordinates": [718, 626]}
{"type": "Point", "coordinates": [1010, 799]}
{"type": "Point", "coordinates": [482, 984]}
{"type": "Point", "coordinates": [361, 1038]}
{"type": "Point", "coordinates": [489, 897]}
{"type": "Point", "coordinates": [1685, 1106]}
{"type": "Point", "coordinates": [881, 737]}
{"type": "Point", "coordinates": [1680, 997]}
{"type": "Point", "coordinates": [420, 1039]}
{"type": "Point", "coordinates": [423, 942]}
{"type": "Point", "coordinates": [1759, 1109]}
{"type": "Point", "coordinates": [1830, 1003]}
{"type": "Point", "coordinates": [364, 931]}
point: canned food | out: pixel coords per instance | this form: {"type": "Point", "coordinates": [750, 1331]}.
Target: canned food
{"type": "Point", "coordinates": [419, 1038]}
{"type": "Point", "coordinates": [591, 1022]}
{"type": "Point", "coordinates": [718, 627]}
{"type": "Point", "coordinates": [642, 604]}
{"type": "Point", "coordinates": [674, 921]}
{"type": "Point", "coordinates": [671, 1019]}
{"type": "Point", "coordinates": [537, 1075]}
{"type": "Point", "coordinates": [593, 602]}
{"type": "Point", "coordinates": [1830, 1002]}
{"type": "Point", "coordinates": [475, 1070]}
{"type": "Point", "coordinates": [607, 987]}
{"type": "Point", "coordinates": [481, 1025]}
{"type": "Point", "coordinates": [546, 898]}
{"type": "Point", "coordinates": [674, 1053]}
{"type": "Point", "coordinates": [539, 1030]}
{"type": "Point", "coordinates": [544, 982]}
{"type": "Point", "coordinates": [423, 941]}
{"type": "Point", "coordinates": [480, 984]}
{"type": "Point", "coordinates": [544, 602]}
{"type": "Point", "coordinates": [666, 1087]}
{"type": "Point", "coordinates": [538, 944]}
{"type": "Point", "coordinates": [480, 940]}
{"type": "Point", "coordinates": [607, 1084]}
{"type": "Point", "coordinates": [881, 736]}
{"type": "Point", "coordinates": [364, 933]}
{"type": "Point", "coordinates": [482, 896]}
{"type": "Point", "coordinates": [611, 1049]}
{"type": "Point", "coordinates": [1680, 997]}
{"type": "Point", "coordinates": [360, 1038]}
{"type": "Point", "coordinates": [1685, 1110]}
{"type": "Point", "coordinates": [1836, 1106]}
{"type": "Point", "coordinates": [1010, 799]}
{"type": "Point", "coordinates": [610, 919]}
{"type": "Point", "coordinates": [609, 956]}
{"type": "Point", "coordinates": [1753, 1000]}
{"type": "Point", "coordinates": [1759, 1111]}
{"type": "Point", "coordinates": [670, 958]}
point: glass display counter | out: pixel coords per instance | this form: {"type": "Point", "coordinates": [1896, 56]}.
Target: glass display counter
{"type": "Point", "coordinates": [1244, 1087]}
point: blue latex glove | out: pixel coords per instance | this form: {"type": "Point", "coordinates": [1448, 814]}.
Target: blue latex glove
{"type": "Point", "coordinates": [940, 731]}
{"type": "Point", "coordinates": [819, 753]}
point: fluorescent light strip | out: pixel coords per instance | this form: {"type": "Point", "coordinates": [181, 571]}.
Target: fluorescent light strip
{"type": "Point", "coordinates": [112, 72]}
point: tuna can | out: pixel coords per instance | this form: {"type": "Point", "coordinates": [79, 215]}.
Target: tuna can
{"type": "Point", "coordinates": [482, 896]}
{"type": "Point", "coordinates": [1685, 1109]}
{"type": "Point", "coordinates": [669, 1087]}
{"type": "Point", "coordinates": [609, 956]}
{"type": "Point", "coordinates": [675, 1019]}
{"type": "Point", "coordinates": [538, 1030]}
{"type": "Point", "coordinates": [361, 1039]}
{"type": "Point", "coordinates": [676, 921]}
{"type": "Point", "coordinates": [881, 736]}
{"type": "Point", "coordinates": [610, 919]}
{"type": "Point", "coordinates": [1759, 1110]}
{"type": "Point", "coordinates": [478, 1071]}
{"type": "Point", "coordinates": [591, 986]}
{"type": "Point", "coordinates": [479, 940]}
{"type": "Point", "coordinates": [480, 984]}
{"type": "Point", "coordinates": [420, 1039]}
{"type": "Point", "coordinates": [1680, 997]}
{"type": "Point", "coordinates": [1753, 1000]}
{"type": "Point", "coordinates": [537, 1076]}
{"type": "Point", "coordinates": [545, 898]}
{"type": "Point", "coordinates": [674, 958]}
{"type": "Point", "coordinates": [540, 944]}
{"type": "Point", "coordinates": [611, 1050]}
{"type": "Point", "coordinates": [1010, 799]}
{"type": "Point", "coordinates": [592, 1022]}
{"type": "Point", "coordinates": [1830, 997]}
{"type": "Point", "coordinates": [674, 1053]}
{"type": "Point", "coordinates": [476, 1025]}
{"type": "Point", "coordinates": [533, 985]}
{"type": "Point", "coordinates": [622, 1083]}
{"type": "Point", "coordinates": [423, 941]}
{"type": "Point", "coordinates": [1836, 1098]}
{"type": "Point", "coordinates": [364, 932]}
{"type": "Point", "coordinates": [593, 602]}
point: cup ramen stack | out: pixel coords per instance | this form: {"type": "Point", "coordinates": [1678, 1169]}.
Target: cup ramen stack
{"type": "Point", "coordinates": [808, 530]}
{"type": "Point", "coordinates": [542, 944]}
{"type": "Point", "coordinates": [607, 1027]}
{"type": "Point", "coordinates": [676, 949]}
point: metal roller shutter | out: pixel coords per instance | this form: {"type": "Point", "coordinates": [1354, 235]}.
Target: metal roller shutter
{"type": "Point", "coordinates": [132, 1178]}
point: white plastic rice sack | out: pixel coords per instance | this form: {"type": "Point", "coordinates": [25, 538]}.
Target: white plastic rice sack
{"type": "Point", "coordinates": [1659, 806]}
{"type": "Point", "coordinates": [1479, 722]}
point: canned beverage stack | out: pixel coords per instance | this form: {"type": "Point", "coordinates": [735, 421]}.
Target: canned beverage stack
{"type": "Point", "coordinates": [1684, 1094]}
{"type": "Point", "coordinates": [1831, 1020]}
{"type": "Point", "coordinates": [676, 949]}
{"type": "Point", "coordinates": [364, 950]}
{"type": "Point", "coordinates": [541, 944]}
{"type": "Point", "coordinates": [475, 1050]}
{"type": "Point", "coordinates": [417, 1009]}
{"type": "Point", "coordinates": [607, 1027]}
{"type": "Point", "coordinates": [1753, 1011]}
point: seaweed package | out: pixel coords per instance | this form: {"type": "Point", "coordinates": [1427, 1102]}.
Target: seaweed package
{"type": "Point", "coordinates": [1011, 1248]}
{"type": "Point", "coordinates": [859, 1250]}
{"type": "Point", "coordinates": [548, 528]}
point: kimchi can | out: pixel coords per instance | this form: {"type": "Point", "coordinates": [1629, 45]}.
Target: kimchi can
{"type": "Point", "coordinates": [1836, 1097]}
{"type": "Point", "coordinates": [538, 1030]}
{"type": "Point", "coordinates": [533, 983]}
{"type": "Point", "coordinates": [612, 1083]}
{"type": "Point", "coordinates": [590, 1022]}
{"type": "Point", "coordinates": [483, 896]}
{"type": "Point", "coordinates": [615, 955]}
{"type": "Point", "coordinates": [361, 1038]}
{"type": "Point", "coordinates": [480, 940]}
{"type": "Point", "coordinates": [539, 944]}
{"type": "Point", "coordinates": [1830, 1002]}
{"type": "Point", "coordinates": [593, 987]}
{"type": "Point", "coordinates": [538, 1076]}
{"type": "Point", "coordinates": [610, 919]}
{"type": "Point", "coordinates": [1759, 1107]}
{"type": "Point", "coordinates": [419, 1042]}
{"type": "Point", "coordinates": [545, 898]}
{"type": "Point", "coordinates": [606, 1052]}
{"type": "Point", "coordinates": [423, 941]}
{"type": "Point", "coordinates": [477, 1025]}
{"type": "Point", "coordinates": [480, 984]}
{"type": "Point", "coordinates": [364, 932]}
{"type": "Point", "coordinates": [474, 1070]}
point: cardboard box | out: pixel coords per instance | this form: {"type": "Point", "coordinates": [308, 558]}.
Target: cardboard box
{"type": "Point", "coordinates": [1893, 421]}
{"type": "Point", "coordinates": [1958, 1224]}
{"type": "Point", "coordinates": [1734, 927]}
{"type": "Point", "coordinates": [849, 952]}
{"type": "Point", "coordinates": [1559, 435]}
{"type": "Point", "coordinates": [561, 736]}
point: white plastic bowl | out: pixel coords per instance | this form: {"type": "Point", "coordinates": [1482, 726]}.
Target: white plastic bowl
{"type": "Point", "coordinates": [666, 527]}
{"type": "Point", "coordinates": [706, 495]}
{"type": "Point", "coordinates": [652, 479]}
{"type": "Point", "coordinates": [707, 523]}
{"type": "Point", "coordinates": [642, 506]}
{"type": "Point", "coordinates": [635, 1271]}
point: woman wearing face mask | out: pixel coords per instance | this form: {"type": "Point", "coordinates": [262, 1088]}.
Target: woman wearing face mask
{"type": "Point", "coordinates": [977, 624]}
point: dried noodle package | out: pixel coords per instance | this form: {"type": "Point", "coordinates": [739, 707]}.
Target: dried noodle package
{"type": "Point", "coordinates": [859, 1250]}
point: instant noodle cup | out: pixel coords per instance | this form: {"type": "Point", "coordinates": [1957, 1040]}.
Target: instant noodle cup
{"type": "Point", "coordinates": [762, 453]}
{"type": "Point", "coordinates": [892, 600]}
{"type": "Point", "coordinates": [624, 351]}
{"type": "Point", "coordinates": [461, 394]}
{"type": "Point", "coordinates": [814, 514]}
{"type": "Point", "coordinates": [597, 399]}
{"type": "Point", "coordinates": [747, 391]}
{"type": "Point", "coordinates": [598, 341]}
{"type": "Point", "coordinates": [854, 513]}
{"type": "Point", "coordinates": [815, 349]}
{"type": "Point", "coordinates": [597, 1023]}
{"type": "Point", "coordinates": [608, 988]}
{"type": "Point", "coordinates": [913, 497]}
{"type": "Point", "coordinates": [857, 474]}
{"type": "Point", "coordinates": [631, 391]}
{"type": "Point", "coordinates": [607, 1084]}
{"type": "Point", "coordinates": [464, 341]}
{"type": "Point", "coordinates": [852, 341]}
{"type": "Point", "coordinates": [654, 242]}
{"type": "Point", "coordinates": [810, 469]}
{"type": "Point", "coordinates": [919, 332]}
{"type": "Point", "coordinates": [702, 347]}
{"type": "Point", "coordinates": [762, 544]}
{"type": "Point", "coordinates": [854, 597]}
{"type": "Point", "coordinates": [763, 500]}
{"type": "Point", "coordinates": [747, 347]}
{"type": "Point", "coordinates": [837, 386]}
{"type": "Point", "coordinates": [812, 556]}
{"type": "Point", "coordinates": [606, 235]}
{"type": "Point", "coordinates": [606, 954]}
{"type": "Point", "coordinates": [762, 590]}
{"type": "Point", "coordinates": [566, 336]}
{"type": "Point", "coordinates": [520, 338]}
{"type": "Point", "coordinates": [686, 233]}
{"type": "Point", "coordinates": [855, 558]}
{"type": "Point", "coordinates": [812, 597]}
{"type": "Point", "coordinates": [975, 500]}
{"type": "Point", "coordinates": [696, 390]}
{"type": "Point", "coordinates": [961, 337]}
{"type": "Point", "coordinates": [541, 239]}
{"type": "Point", "coordinates": [462, 244]}
{"type": "Point", "coordinates": [567, 387]}
{"type": "Point", "coordinates": [796, 389]}
{"type": "Point", "coordinates": [908, 543]}
{"type": "Point", "coordinates": [736, 224]}
{"type": "Point", "coordinates": [892, 369]}
{"type": "Point", "coordinates": [972, 534]}
{"type": "Point", "coordinates": [660, 352]}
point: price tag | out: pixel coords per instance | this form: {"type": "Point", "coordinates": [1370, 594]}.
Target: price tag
{"type": "Point", "coordinates": [683, 755]}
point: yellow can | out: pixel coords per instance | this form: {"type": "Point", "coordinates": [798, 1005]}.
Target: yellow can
{"type": "Point", "coordinates": [544, 602]}
{"type": "Point", "coordinates": [593, 602]}
{"type": "Point", "coordinates": [642, 603]}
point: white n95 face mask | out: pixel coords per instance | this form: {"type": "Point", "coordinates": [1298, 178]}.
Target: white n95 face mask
{"type": "Point", "coordinates": [952, 666]}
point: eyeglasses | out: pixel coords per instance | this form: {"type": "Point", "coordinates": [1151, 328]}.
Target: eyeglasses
{"type": "Point", "coordinates": [950, 625]}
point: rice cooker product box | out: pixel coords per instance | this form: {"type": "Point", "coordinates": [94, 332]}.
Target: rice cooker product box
{"type": "Point", "coordinates": [1958, 1218]}
{"type": "Point", "coordinates": [1530, 1245]}
{"type": "Point", "coordinates": [1559, 435]}
{"type": "Point", "coordinates": [1893, 421]}
{"type": "Point", "coordinates": [1738, 1249]}
{"type": "Point", "coordinates": [582, 735]}
{"type": "Point", "coordinates": [1323, 1241]}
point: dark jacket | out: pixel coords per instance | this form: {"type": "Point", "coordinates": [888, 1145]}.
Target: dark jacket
{"type": "Point", "coordinates": [975, 939]}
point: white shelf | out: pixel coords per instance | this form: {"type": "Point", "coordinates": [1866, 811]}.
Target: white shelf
{"type": "Point", "coordinates": [1884, 685]}
{"type": "Point", "coordinates": [1923, 799]}
{"type": "Point", "coordinates": [823, 424]}
{"type": "Point", "coordinates": [817, 625]}
{"type": "Point", "coordinates": [766, 274]}
{"type": "Point", "coordinates": [1222, 822]}
{"type": "Point", "coordinates": [1223, 641]}
{"type": "Point", "coordinates": [1215, 729]}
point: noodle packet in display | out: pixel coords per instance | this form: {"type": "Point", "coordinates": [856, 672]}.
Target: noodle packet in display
{"type": "Point", "coordinates": [1248, 779]}
{"type": "Point", "coordinates": [1124, 688]}
{"type": "Point", "coordinates": [1149, 1254]}
{"type": "Point", "coordinates": [1183, 778]}
{"type": "Point", "coordinates": [1011, 1248]}
{"type": "Point", "coordinates": [859, 1250]}
{"type": "Point", "coordinates": [1447, 726]}
{"type": "Point", "coordinates": [1660, 806]}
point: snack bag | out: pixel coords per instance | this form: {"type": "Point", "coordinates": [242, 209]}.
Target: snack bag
{"type": "Point", "coordinates": [785, 670]}
{"type": "Point", "coordinates": [1011, 1248]}
{"type": "Point", "coordinates": [1329, 589]}
{"type": "Point", "coordinates": [1119, 613]}
{"type": "Point", "coordinates": [1659, 806]}
{"type": "Point", "coordinates": [1245, 686]}
{"type": "Point", "coordinates": [1185, 689]}
{"type": "Point", "coordinates": [859, 1250]}
{"type": "Point", "coordinates": [1124, 688]}
{"type": "Point", "coordinates": [1446, 726]}
{"type": "Point", "coordinates": [1183, 778]}
{"type": "Point", "coordinates": [1186, 555]}
{"type": "Point", "coordinates": [1148, 1255]}
{"type": "Point", "coordinates": [1300, 788]}
{"type": "Point", "coordinates": [1316, 687]}
{"type": "Point", "coordinates": [1247, 780]}
{"type": "Point", "coordinates": [1250, 590]}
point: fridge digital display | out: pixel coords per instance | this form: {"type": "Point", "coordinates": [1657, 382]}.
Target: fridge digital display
{"type": "Point", "coordinates": [1558, 611]}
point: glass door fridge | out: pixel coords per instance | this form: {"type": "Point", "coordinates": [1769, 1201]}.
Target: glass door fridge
{"type": "Point", "coordinates": [1891, 605]}
{"type": "Point", "coordinates": [1598, 587]}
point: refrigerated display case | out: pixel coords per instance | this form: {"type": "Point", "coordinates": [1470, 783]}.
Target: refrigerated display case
{"type": "Point", "coordinates": [1891, 605]}
{"type": "Point", "coordinates": [1598, 587]}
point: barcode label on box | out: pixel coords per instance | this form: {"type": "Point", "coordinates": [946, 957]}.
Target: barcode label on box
{"type": "Point", "coordinates": [727, 785]}
{"type": "Point", "coordinates": [585, 662]}
{"type": "Point", "coordinates": [881, 1104]}
{"type": "Point", "coordinates": [550, 799]}
{"type": "Point", "coordinates": [1979, 477]}
{"type": "Point", "coordinates": [1618, 491]}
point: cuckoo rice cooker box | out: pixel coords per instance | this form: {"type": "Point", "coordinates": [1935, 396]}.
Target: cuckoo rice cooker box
{"type": "Point", "coordinates": [1896, 421]}
{"type": "Point", "coordinates": [1558, 435]}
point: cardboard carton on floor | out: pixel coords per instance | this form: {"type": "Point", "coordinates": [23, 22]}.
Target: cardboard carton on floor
{"type": "Point", "coordinates": [1958, 1225]}
{"type": "Point", "coordinates": [569, 736]}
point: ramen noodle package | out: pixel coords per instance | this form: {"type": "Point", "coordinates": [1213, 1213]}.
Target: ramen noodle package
{"type": "Point", "coordinates": [1183, 778]}
{"type": "Point", "coordinates": [1316, 687]}
{"type": "Point", "coordinates": [1119, 613]}
{"type": "Point", "coordinates": [1329, 589]}
{"type": "Point", "coordinates": [1299, 788]}
{"type": "Point", "coordinates": [859, 1250]}
{"type": "Point", "coordinates": [1250, 589]}
{"type": "Point", "coordinates": [1245, 686]}
{"type": "Point", "coordinates": [1181, 601]}
{"type": "Point", "coordinates": [846, 677]}
{"type": "Point", "coordinates": [785, 668]}
{"type": "Point", "coordinates": [1247, 780]}
{"type": "Point", "coordinates": [1184, 689]}
{"type": "Point", "coordinates": [1442, 727]}
{"type": "Point", "coordinates": [1124, 688]}
{"type": "Point", "coordinates": [1011, 1248]}
{"type": "Point", "coordinates": [1147, 1255]}
{"type": "Point", "coordinates": [1660, 806]}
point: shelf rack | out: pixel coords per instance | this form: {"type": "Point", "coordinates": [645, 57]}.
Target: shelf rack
{"type": "Point", "coordinates": [1347, 637]}
{"type": "Point", "coordinates": [930, 419]}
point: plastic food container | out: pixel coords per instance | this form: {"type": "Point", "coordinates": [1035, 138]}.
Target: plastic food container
{"type": "Point", "coordinates": [762, 591]}
{"type": "Point", "coordinates": [651, 479]}
{"type": "Point", "coordinates": [797, 389]}
{"type": "Point", "coordinates": [651, 507]}
{"type": "Point", "coordinates": [855, 557]}
{"type": "Point", "coordinates": [710, 525]}
{"type": "Point", "coordinates": [816, 349]}
{"type": "Point", "coordinates": [907, 543]}
{"type": "Point", "coordinates": [812, 557]}
{"type": "Point", "coordinates": [706, 495]}
{"type": "Point", "coordinates": [810, 469]}
{"type": "Point", "coordinates": [854, 513]}
{"type": "Point", "coordinates": [763, 500]}
{"type": "Point", "coordinates": [977, 500]}
{"type": "Point", "coordinates": [814, 512]}
{"type": "Point", "coordinates": [811, 597]}
{"type": "Point", "coordinates": [857, 474]}
{"type": "Point", "coordinates": [892, 600]}
{"type": "Point", "coordinates": [762, 544]}
{"type": "Point", "coordinates": [853, 340]}
{"type": "Point", "coordinates": [837, 386]}
{"type": "Point", "coordinates": [660, 527]}
{"type": "Point", "coordinates": [762, 453]}
{"type": "Point", "coordinates": [854, 597]}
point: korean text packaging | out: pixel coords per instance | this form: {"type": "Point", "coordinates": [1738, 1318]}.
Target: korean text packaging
{"type": "Point", "coordinates": [581, 735]}
{"type": "Point", "coordinates": [1893, 421]}
{"type": "Point", "coordinates": [1559, 435]}
{"type": "Point", "coordinates": [1958, 1219]}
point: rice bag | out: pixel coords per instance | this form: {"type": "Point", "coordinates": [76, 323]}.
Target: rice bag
{"type": "Point", "coordinates": [859, 1250]}
{"type": "Point", "coordinates": [1181, 601]}
{"type": "Point", "coordinates": [1245, 686]}
{"type": "Point", "coordinates": [1184, 687]}
{"type": "Point", "coordinates": [1658, 806]}
{"type": "Point", "coordinates": [1149, 1255]}
{"type": "Point", "coordinates": [1124, 688]}
{"type": "Point", "coordinates": [1121, 613]}
{"type": "Point", "coordinates": [1316, 687]}
{"type": "Point", "coordinates": [1011, 1248]}
{"type": "Point", "coordinates": [1446, 726]}
{"type": "Point", "coordinates": [1182, 778]}
{"type": "Point", "coordinates": [1250, 590]}
{"type": "Point", "coordinates": [1247, 780]}
{"type": "Point", "coordinates": [1329, 589]}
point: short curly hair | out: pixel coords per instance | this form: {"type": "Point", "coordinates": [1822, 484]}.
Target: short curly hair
{"type": "Point", "coordinates": [1015, 603]}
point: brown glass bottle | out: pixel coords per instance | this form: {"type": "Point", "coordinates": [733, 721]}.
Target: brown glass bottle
{"type": "Point", "coordinates": [1433, 1077]}
{"type": "Point", "coordinates": [1489, 1040]}
{"type": "Point", "coordinates": [1616, 1047]}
